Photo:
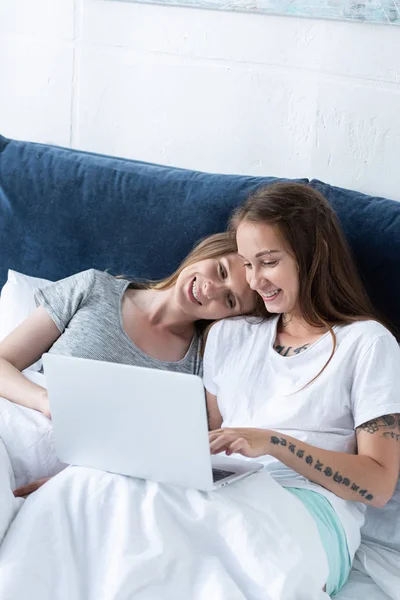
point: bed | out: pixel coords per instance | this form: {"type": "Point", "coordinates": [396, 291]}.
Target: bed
{"type": "Point", "coordinates": [62, 211]}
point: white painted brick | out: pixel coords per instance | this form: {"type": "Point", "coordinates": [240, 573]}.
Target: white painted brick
{"type": "Point", "coordinates": [350, 49]}
{"type": "Point", "coordinates": [212, 117]}
{"type": "Point", "coordinates": [37, 18]}
{"type": "Point", "coordinates": [217, 91]}
{"type": "Point", "coordinates": [35, 103]}
{"type": "Point", "coordinates": [358, 137]}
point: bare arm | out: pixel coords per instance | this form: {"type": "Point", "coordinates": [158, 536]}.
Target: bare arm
{"type": "Point", "coordinates": [214, 416]}
{"type": "Point", "coordinates": [24, 346]}
{"type": "Point", "coordinates": [369, 477]}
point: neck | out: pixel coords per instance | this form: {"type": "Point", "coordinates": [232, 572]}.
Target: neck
{"type": "Point", "coordinates": [295, 325]}
{"type": "Point", "coordinates": [161, 310]}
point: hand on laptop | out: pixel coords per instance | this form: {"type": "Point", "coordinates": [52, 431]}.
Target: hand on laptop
{"type": "Point", "coordinates": [249, 441]}
{"type": "Point", "coordinates": [25, 490]}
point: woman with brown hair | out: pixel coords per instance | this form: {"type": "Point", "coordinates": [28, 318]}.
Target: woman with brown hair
{"type": "Point", "coordinates": [314, 388]}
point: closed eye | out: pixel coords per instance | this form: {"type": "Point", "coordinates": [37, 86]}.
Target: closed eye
{"type": "Point", "coordinates": [269, 264]}
{"type": "Point", "coordinates": [263, 264]}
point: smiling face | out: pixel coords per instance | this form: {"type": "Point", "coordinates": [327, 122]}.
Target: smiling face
{"type": "Point", "coordinates": [214, 288]}
{"type": "Point", "coordinates": [271, 268]}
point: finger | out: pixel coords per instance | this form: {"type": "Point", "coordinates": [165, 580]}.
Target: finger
{"type": "Point", "coordinates": [213, 435]}
{"type": "Point", "coordinates": [240, 445]}
{"type": "Point", "coordinates": [25, 490]}
{"type": "Point", "coordinates": [220, 444]}
{"type": "Point", "coordinates": [216, 432]}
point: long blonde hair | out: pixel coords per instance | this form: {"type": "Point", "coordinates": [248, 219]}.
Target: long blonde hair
{"type": "Point", "coordinates": [218, 244]}
{"type": "Point", "coordinates": [213, 246]}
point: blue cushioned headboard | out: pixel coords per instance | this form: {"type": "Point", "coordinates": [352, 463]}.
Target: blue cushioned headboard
{"type": "Point", "coordinates": [63, 211]}
{"type": "Point", "coordinates": [372, 227]}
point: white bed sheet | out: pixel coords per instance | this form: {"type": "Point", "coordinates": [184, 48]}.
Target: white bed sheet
{"type": "Point", "coordinates": [90, 516]}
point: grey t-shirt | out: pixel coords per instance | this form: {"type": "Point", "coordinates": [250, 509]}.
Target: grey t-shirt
{"type": "Point", "coordinates": [86, 308]}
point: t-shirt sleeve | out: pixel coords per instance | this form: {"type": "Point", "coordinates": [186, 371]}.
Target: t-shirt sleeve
{"type": "Point", "coordinates": [376, 385]}
{"type": "Point", "coordinates": [63, 298]}
{"type": "Point", "coordinates": [209, 360]}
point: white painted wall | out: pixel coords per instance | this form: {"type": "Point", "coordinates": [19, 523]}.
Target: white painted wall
{"type": "Point", "coordinates": [214, 91]}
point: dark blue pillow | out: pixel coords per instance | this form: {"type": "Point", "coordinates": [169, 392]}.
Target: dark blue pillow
{"type": "Point", "coordinates": [372, 227]}
{"type": "Point", "coordinates": [62, 211]}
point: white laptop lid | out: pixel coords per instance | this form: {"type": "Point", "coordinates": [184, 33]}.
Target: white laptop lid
{"type": "Point", "coordinates": [130, 420]}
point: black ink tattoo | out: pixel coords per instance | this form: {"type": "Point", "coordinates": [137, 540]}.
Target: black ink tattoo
{"type": "Point", "coordinates": [278, 441]}
{"type": "Point", "coordinates": [394, 436]}
{"type": "Point", "coordinates": [337, 477]}
{"type": "Point", "coordinates": [328, 471]}
{"type": "Point", "coordinates": [285, 350]}
{"type": "Point", "coordinates": [298, 350]}
{"type": "Point", "coordinates": [389, 425]}
{"type": "Point", "coordinates": [370, 427]}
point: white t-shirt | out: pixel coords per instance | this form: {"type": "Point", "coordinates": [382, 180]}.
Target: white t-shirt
{"type": "Point", "coordinates": [257, 387]}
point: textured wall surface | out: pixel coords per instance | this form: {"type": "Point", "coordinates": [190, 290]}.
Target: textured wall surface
{"type": "Point", "coordinates": [216, 91]}
{"type": "Point", "coordinates": [375, 11]}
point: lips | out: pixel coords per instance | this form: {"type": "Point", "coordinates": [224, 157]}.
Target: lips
{"type": "Point", "coordinates": [271, 295]}
{"type": "Point", "coordinates": [193, 290]}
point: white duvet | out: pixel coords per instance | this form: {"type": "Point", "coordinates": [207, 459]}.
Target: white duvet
{"type": "Point", "coordinates": [91, 535]}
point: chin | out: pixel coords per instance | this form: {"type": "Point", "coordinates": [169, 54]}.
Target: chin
{"type": "Point", "coordinates": [274, 310]}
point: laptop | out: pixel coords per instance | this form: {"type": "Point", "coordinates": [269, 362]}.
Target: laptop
{"type": "Point", "coordinates": [136, 421]}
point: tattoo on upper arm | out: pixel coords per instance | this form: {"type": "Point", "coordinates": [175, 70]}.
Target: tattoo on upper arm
{"type": "Point", "coordinates": [388, 425]}
{"type": "Point", "coordinates": [319, 466]}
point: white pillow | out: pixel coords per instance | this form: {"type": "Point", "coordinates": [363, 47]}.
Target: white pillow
{"type": "Point", "coordinates": [17, 303]}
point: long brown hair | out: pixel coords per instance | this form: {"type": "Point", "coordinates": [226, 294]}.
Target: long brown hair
{"type": "Point", "coordinates": [330, 288]}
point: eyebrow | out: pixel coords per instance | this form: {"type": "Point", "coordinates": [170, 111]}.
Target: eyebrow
{"type": "Point", "coordinates": [261, 253]}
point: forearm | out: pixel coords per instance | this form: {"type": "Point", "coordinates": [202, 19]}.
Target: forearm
{"type": "Point", "coordinates": [16, 388]}
{"type": "Point", "coordinates": [349, 476]}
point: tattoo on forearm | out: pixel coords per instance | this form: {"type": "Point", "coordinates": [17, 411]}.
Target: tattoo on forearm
{"type": "Point", "coordinates": [288, 350]}
{"type": "Point", "coordinates": [319, 466]}
{"type": "Point", "coordinates": [388, 425]}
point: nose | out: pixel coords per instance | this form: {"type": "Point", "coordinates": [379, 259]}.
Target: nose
{"type": "Point", "coordinates": [254, 279]}
{"type": "Point", "coordinates": [212, 289]}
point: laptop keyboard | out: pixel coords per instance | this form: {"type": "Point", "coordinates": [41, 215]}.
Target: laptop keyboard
{"type": "Point", "coordinates": [219, 474]}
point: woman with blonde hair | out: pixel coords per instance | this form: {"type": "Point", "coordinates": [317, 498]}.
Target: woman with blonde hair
{"type": "Point", "coordinates": [98, 316]}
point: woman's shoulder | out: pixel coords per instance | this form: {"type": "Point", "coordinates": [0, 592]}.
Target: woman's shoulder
{"type": "Point", "coordinates": [366, 333]}
{"type": "Point", "coordinates": [106, 280]}
{"type": "Point", "coordinates": [241, 327]}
